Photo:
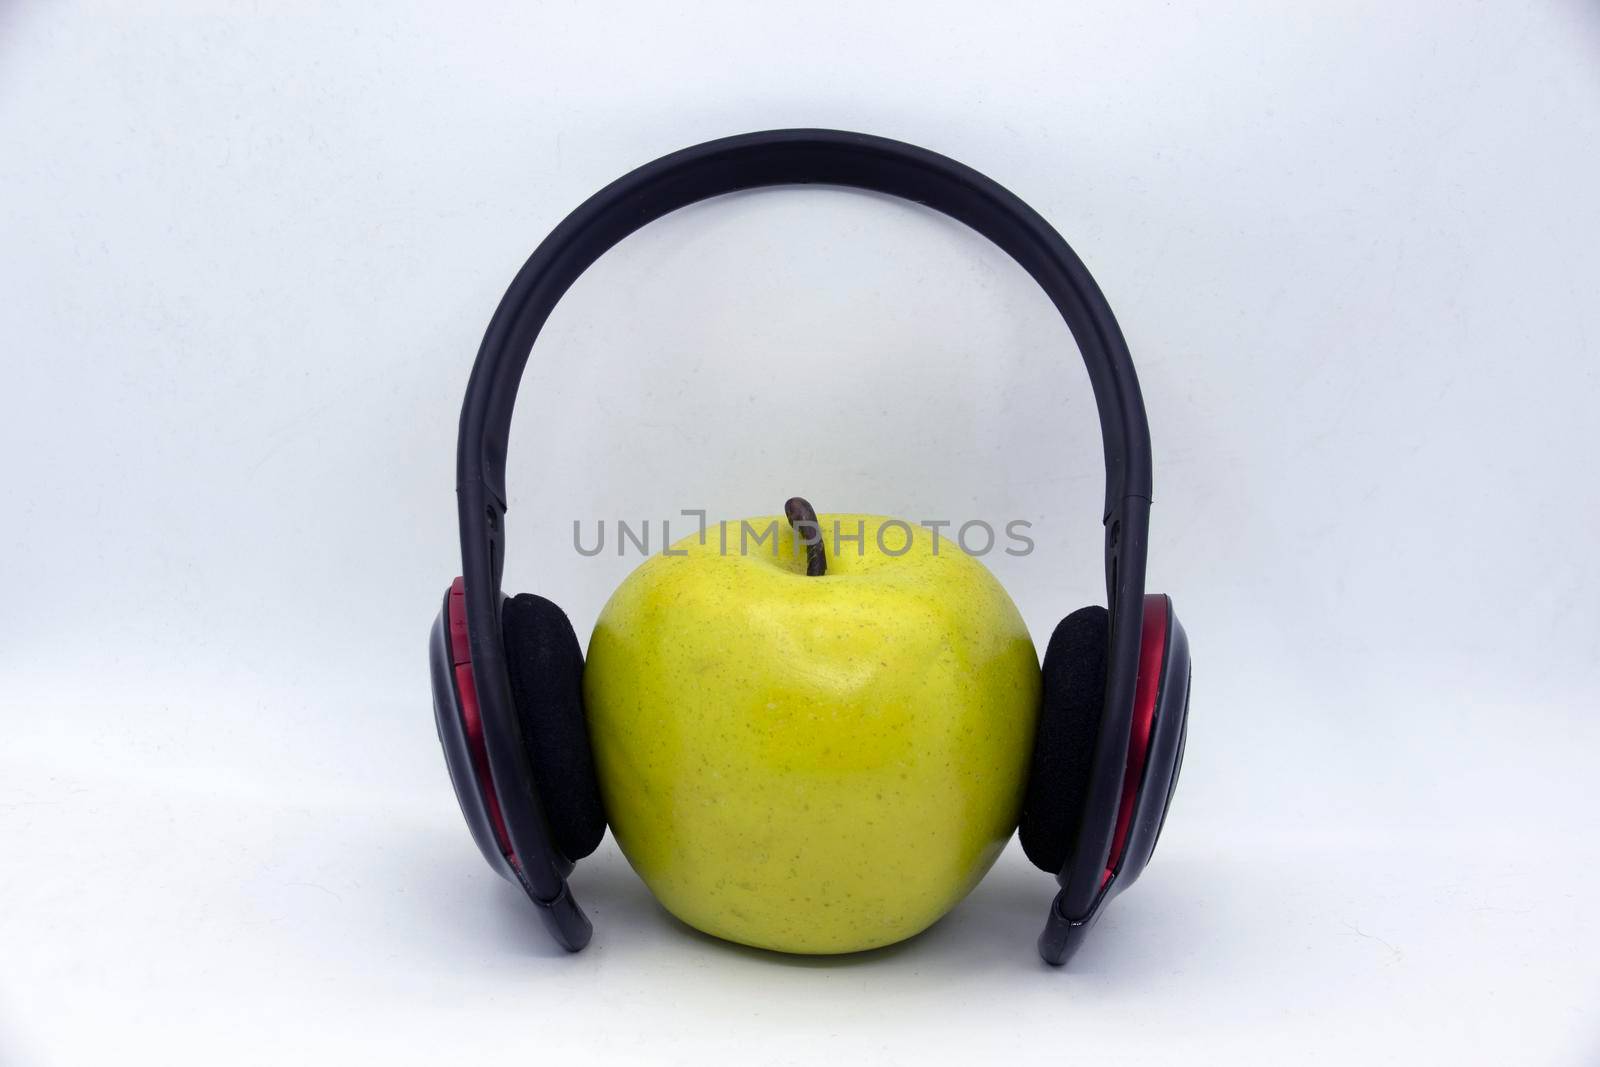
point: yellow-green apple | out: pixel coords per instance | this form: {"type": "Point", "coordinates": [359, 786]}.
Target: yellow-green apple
{"type": "Point", "coordinates": [812, 762]}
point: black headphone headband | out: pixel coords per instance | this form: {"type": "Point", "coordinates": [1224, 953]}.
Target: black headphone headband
{"type": "Point", "coordinates": [801, 157]}
{"type": "Point", "coordinates": [830, 157]}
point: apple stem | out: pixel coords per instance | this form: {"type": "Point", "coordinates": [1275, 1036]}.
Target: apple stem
{"type": "Point", "coordinates": [798, 510]}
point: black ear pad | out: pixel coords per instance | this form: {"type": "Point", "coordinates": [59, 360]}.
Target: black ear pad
{"type": "Point", "coordinates": [1063, 747]}
{"type": "Point", "coordinates": [545, 663]}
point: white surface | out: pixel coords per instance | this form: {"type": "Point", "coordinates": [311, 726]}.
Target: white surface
{"type": "Point", "coordinates": [246, 262]}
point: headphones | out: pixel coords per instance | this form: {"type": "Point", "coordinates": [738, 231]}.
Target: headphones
{"type": "Point", "coordinates": [507, 672]}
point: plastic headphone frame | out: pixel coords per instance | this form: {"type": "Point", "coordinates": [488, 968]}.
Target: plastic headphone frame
{"type": "Point", "coordinates": [758, 160]}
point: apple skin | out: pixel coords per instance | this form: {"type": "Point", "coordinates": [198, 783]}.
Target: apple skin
{"type": "Point", "coordinates": [812, 764]}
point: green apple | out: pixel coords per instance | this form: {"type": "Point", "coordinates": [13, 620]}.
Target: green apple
{"type": "Point", "coordinates": [812, 763]}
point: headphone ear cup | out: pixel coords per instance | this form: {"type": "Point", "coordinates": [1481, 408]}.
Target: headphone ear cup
{"type": "Point", "coordinates": [545, 663]}
{"type": "Point", "coordinates": [1063, 747]}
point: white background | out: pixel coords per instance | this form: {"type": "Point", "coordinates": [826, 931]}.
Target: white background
{"type": "Point", "coordinates": [247, 256]}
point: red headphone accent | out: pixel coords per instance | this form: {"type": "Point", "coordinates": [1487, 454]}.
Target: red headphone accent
{"type": "Point", "coordinates": [1152, 655]}
{"type": "Point", "coordinates": [471, 718]}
